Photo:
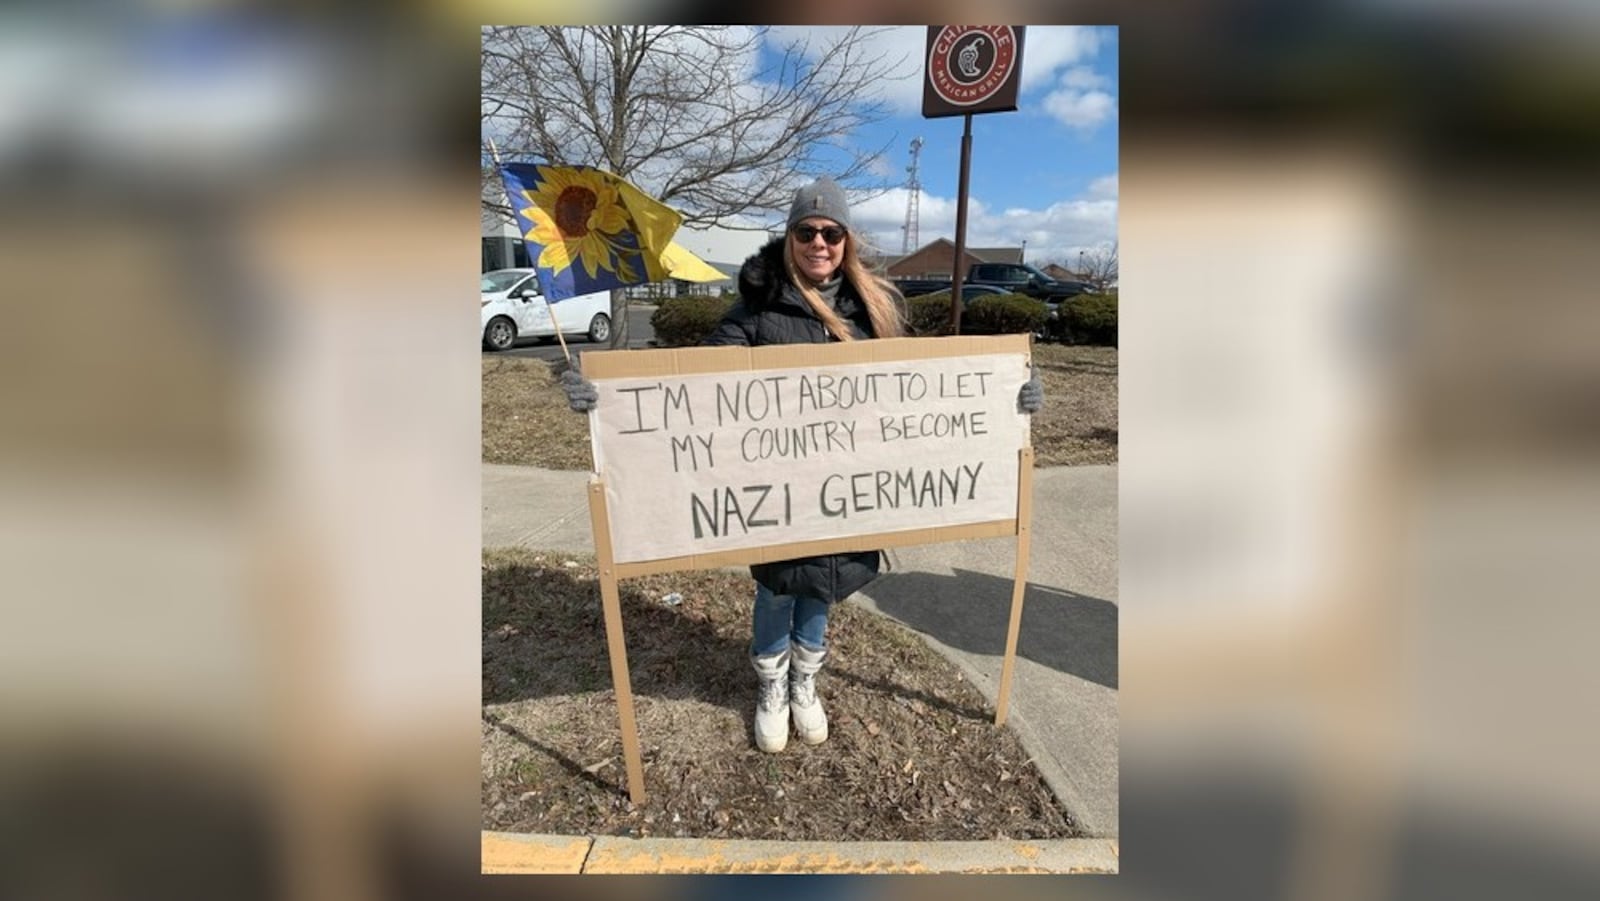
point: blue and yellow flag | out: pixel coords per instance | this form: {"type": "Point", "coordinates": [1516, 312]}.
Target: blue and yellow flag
{"type": "Point", "coordinates": [588, 230]}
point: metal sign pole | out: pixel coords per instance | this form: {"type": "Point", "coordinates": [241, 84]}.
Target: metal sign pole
{"type": "Point", "coordinates": [959, 270]}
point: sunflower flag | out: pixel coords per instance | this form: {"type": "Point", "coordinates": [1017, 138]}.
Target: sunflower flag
{"type": "Point", "coordinates": [588, 230]}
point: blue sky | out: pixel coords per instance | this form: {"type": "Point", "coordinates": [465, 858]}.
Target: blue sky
{"type": "Point", "coordinates": [1046, 173]}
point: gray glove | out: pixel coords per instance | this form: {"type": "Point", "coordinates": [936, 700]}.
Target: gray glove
{"type": "Point", "coordinates": [582, 396]}
{"type": "Point", "coordinates": [1031, 398]}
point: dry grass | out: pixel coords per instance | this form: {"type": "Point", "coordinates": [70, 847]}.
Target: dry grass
{"type": "Point", "coordinates": [912, 754]}
{"type": "Point", "coordinates": [526, 419]}
{"type": "Point", "coordinates": [1079, 421]}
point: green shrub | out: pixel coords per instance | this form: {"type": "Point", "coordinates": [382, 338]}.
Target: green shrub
{"type": "Point", "coordinates": [1090, 319]}
{"type": "Point", "coordinates": [929, 314]}
{"type": "Point", "coordinates": [1002, 314]}
{"type": "Point", "coordinates": [686, 321]}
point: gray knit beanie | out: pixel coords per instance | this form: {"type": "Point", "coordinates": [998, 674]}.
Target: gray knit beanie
{"type": "Point", "coordinates": [822, 197]}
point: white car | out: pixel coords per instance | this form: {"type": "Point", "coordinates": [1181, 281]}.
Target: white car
{"type": "Point", "coordinates": [513, 308]}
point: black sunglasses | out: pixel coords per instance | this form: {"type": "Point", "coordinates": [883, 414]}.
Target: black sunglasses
{"type": "Point", "coordinates": [833, 234]}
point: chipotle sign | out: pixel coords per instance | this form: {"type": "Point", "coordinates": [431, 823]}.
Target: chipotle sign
{"type": "Point", "coordinates": [972, 69]}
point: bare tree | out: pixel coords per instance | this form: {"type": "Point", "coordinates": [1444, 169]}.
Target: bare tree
{"type": "Point", "coordinates": [684, 113]}
{"type": "Point", "coordinates": [1099, 267]}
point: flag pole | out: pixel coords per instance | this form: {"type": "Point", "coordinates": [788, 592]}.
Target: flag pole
{"type": "Point", "coordinates": [494, 153]}
{"type": "Point", "coordinates": [551, 309]}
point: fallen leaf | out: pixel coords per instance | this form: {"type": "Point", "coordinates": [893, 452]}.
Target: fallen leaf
{"type": "Point", "coordinates": [593, 768]}
{"type": "Point", "coordinates": [873, 729]}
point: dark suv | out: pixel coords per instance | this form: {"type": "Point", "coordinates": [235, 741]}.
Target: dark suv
{"type": "Point", "coordinates": [1020, 278]}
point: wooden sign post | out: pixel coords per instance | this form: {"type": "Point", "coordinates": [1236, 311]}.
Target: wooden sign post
{"type": "Point", "coordinates": [715, 456]}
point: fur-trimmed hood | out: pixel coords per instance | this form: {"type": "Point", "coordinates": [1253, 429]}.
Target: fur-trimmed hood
{"type": "Point", "coordinates": [762, 278]}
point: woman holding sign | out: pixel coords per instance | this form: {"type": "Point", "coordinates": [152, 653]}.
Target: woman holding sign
{"type": "Point", "coordinates": [808, 287]}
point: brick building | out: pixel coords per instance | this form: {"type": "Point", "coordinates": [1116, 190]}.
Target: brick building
{"type": "Point", "coordinates": [936, 259]}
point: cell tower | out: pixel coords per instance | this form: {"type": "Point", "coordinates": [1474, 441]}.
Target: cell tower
{"type": "Point", "coordinates": [914, 186]}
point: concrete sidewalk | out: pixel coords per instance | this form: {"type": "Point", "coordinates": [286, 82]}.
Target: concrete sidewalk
{"type": "Point", "coordinates": [958, 595]}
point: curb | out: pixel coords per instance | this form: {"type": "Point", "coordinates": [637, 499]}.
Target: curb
{"type": "Point", "coordinates": [509, 852]}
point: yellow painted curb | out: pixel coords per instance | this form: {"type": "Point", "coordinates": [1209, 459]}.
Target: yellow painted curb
{"type": "Point", "coordinates": [506, 852]}
{"type": "Point", "coordinates": [639, 856]}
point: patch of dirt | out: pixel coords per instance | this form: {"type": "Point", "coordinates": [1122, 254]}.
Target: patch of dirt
{"type": "Point", "coordinates": [912, 752]}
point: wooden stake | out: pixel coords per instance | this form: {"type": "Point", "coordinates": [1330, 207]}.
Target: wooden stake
{"type": "Point", "coordinates": [1020, 583]}
{"type": "Point", "coordinates": [616, 648]}
{"type": "Point", "coordinates": [551, 309]}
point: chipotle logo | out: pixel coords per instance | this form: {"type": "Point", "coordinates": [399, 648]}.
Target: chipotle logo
{"type": "Point", "coordinates": [969, 63]}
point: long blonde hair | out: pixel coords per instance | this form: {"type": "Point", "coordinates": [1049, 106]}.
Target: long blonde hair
{"type": "Point", "coordinates": [882, 299]}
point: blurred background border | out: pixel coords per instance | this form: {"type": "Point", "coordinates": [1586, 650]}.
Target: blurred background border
{"type": "Point", "coordinates": [239, 452]}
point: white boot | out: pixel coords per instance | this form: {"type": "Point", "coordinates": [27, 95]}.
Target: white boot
{"type": "Point", "coordinates": [772, 703]}
{"type": "Point", "coordinates": [810, 723]}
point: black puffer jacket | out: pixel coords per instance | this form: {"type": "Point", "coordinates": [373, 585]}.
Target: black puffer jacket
{"type": "Point", "coordinates": [771, 310]}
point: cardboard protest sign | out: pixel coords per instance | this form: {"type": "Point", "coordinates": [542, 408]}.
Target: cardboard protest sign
{"type": "Point", "coordinates": [716, 455]}
{"type": "Point", "coordinates": [710, 456]}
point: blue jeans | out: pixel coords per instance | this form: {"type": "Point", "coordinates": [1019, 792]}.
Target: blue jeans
{"type": "Point", "coordinates": [780, 619]}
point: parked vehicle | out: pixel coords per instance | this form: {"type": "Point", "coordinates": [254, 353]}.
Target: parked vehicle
{"type": "Point", "coordinates": [1010, 278]}
{"type": "Point", "coordinates": [916, 287]}
{"type": "Point", "coordinates": [514, 308]}
{"type": "Point", "coordinates": [1020, 278]}
{"type": "Point", "coordinates": [970, 293]}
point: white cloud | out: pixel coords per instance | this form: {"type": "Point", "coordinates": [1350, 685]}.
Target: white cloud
{"type": "Point", "coordinates": [1055, 233]}
{"type": "Point", "coordinates": [723, 245]}
{"type": "Point", "coordinates": [1081, 109]}
{"type": "Point", "coordinates": [1082, 99]}
{"type": "Point", "coordinates": [1046, 48]}
{"type": "Point", "coordinates": [1083, 77]}
{"type": "Point", "coordinates": [884, 167]}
